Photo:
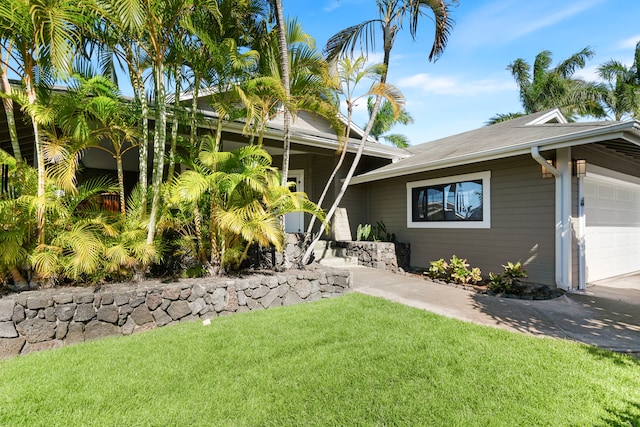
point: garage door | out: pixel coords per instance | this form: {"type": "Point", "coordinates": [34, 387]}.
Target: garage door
{"type": "Point", "coordinates": [612, 232]}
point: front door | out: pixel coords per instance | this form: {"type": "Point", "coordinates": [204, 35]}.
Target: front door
{"type": "Point", "coordinates": [294, 222]}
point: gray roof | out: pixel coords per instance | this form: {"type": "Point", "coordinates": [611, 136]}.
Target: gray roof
{"type": "Point", "coordinates": [545, 130]}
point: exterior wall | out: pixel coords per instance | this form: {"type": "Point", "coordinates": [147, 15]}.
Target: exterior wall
{"type": "Point", "coordinates": [522, 219]}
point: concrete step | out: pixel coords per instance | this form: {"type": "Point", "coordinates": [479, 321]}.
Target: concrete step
{"type": "Point", "coordinates": [338, 261]}
{"type": "Point", "coordinates": [326, 252]}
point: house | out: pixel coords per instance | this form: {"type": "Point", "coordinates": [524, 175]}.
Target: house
{"type": "Point", "coordinates": [563, 198]}
{"type": "Point", "coordinates": [313, 155]}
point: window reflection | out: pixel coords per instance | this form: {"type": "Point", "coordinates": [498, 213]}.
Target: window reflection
{"type": "Point", "coordinates": [457, 201]}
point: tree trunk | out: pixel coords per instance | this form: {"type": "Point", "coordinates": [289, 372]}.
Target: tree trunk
{"type": "Point", "coordinates": [329, 183]}
{"type": "Point", "coordinates": [174, 124]}
{"type": "Point", "coordinates": [284, 69]}
{"type": "Point", "coordinates": [347, 180]}
{"type": "Point", "coordinates": [218, 135]}
{"type": "Point", "coordinates": [159, 140]}
{"type": "Point", "coordinates": [143, 147]}
{"type": "Point", "coordinates": [194, 109]}
{"type": "Point", "coordinates": [20, 283]}
{"type": "Point", "coordinates": [40, 163]}
{"type": "Point", "coordinates": [121, 185]}
{"type": "Point", "coordinates": [8, 109]}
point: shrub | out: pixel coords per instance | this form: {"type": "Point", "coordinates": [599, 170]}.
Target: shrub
{"type": "Point", "coordinates": [508, 282]}
{"type": "Point", "coordinates": [363, 232]}
{"type": "Point", "coordinates": [456, 271]}
{"type": "Point", "coordinates": [438, 269]}
{"type": "Point", "coordinates": [375, 233]}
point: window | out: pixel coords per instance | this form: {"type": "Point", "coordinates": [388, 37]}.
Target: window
{"type": "Point", "coordinates": [460, 201]}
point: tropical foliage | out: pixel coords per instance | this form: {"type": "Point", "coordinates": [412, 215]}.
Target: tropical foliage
{"type": "Point", "coordinates": [387, 119]}
{"type": "Point", "coordinates": [242, 194]}
{"type": "Point", "coordinates": [59, 227]}
{"type": "Point", "coordinates": [543, 87]}
{"type": "Point", "coordinates": [621, 99]}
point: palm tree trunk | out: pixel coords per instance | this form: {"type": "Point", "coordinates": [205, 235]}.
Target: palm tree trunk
{"type": "Point", "coordinates": [20, 283]}
{"type": "Point", "coordinates": [159, 140]}
{"type": "Point", "coordinates": [174, 124]}
{"type": "Point", "coordinates": [347, 179]}
{"type": "Point", "coordinates": [40, 163]}
{"type": "Point", "coordinates": [194, 109]}
{"type": "Point", "coordinates": [8, 109]}
{"type": "Point", "coordinates": [121, 185]}
{"type": "Point", "coordinates": [284, 69]}
{"type": "Point", "coordinates": [329, 183]}
{"type": "Point", "coordinates": [218, 135]}
{"type": "Point", "coordinates": [143, 147]}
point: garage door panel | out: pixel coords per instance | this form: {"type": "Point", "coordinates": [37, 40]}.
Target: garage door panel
{"type": "Point", "coordinates": [612, 233]}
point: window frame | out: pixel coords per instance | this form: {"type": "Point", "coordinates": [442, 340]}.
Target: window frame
{"type": "Point", "coordinates": [484, 176]}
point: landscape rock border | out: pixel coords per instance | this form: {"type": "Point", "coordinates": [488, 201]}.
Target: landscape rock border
{"type": "Point", "coordinates": [39, 320]}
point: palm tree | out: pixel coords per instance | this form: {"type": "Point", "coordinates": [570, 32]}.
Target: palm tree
{"type": "Point", "coordinates": [246, 201]}
{"type": "Point", "coordinates": [349, 75]}
{"type": "Point", "coordinates": [276, 5]}
{"type": "Point", "coordinates": [385, 120]}
{"type": "Point", "coordinates": [311, 88]}
{"type": "Point", "coordinates": [92, 116]}
{"type": "Point", "coordinates": [44, 35]}
{"type": "Point", "coordinates": [623, 83]}
{"type": "Point", "coordinates": [392, 15]}
{"type": "Point", "coordinates": [7, 102]}
{"type": "Point", "coordinates": [555, 87]}
{"type": "Point", "coordinates": [112, 38]}
{"type": "Point", "coordinates": [16, 223]}
{"type": "Point", "coordinates": [227, 68]}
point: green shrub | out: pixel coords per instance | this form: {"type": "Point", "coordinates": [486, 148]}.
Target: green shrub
{"type": "Point", "coordinates": [438, 269]}
{"type": "Point", "coordinates": [374, 233]}
{"type": "Point", "coordinates": [456, 271]}
{"type": "Point", "coordinates": [508, 282]}
{"type": "Point", "coordinates": [363, 232]}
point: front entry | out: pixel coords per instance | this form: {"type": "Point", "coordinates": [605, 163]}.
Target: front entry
{"type": "Point", "coordinates": [294, 222]}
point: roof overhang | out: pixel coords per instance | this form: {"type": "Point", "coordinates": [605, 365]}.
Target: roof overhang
{"type": "Point", "coordinates": [319, 140]}
{"type": "Point", "coordinates": [625, 131]}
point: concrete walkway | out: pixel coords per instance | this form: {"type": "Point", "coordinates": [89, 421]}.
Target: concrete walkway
{"type": "Point", "coordinates": [606, 317]}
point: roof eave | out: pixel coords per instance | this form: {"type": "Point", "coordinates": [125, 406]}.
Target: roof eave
{"type": "Point", "coordinates": [629, 131]}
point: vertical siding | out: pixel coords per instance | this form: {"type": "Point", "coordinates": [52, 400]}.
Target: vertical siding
{"type": "Point", "coordinates": [522, 220]}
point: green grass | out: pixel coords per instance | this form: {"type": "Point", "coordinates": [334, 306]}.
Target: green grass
{"type": "Point", "coordinates": [354, 360]}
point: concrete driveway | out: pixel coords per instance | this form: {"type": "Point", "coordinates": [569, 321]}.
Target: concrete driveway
{"type": "Point", "coordinates": [604, 316]}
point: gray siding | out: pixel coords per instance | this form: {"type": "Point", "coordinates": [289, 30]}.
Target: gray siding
{"type": "Point", "coordinates": [522, 220]}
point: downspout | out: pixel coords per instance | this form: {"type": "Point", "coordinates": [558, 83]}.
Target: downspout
{"type": "Point", "coordinates": [562, 234]}
{"type": "Point", "coordinates": [582, 270]}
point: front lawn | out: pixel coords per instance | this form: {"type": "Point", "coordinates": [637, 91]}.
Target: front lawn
{"type": "Point", "coordinates": [354, 360]}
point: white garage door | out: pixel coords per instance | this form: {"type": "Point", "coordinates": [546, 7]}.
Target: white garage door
{"type": "Point", "coordinates": [612, 233]}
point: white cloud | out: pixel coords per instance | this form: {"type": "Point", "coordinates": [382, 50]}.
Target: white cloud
{"type": "Point", "coordinates": [628, 43]}
{"type": "Point", "coordinates": [503, 21]}
{"type": "Point", "coordinates": [588, 73]}
{"type": "Point", "coordinates": [427, 83]}
{"type": "Point", "coordinates": [331, 6]}
{"type": "Point", "coordinates": [549, 19]}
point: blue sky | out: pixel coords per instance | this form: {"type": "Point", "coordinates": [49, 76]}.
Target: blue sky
{"type": "Point", "coordinates": [470, 83]}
